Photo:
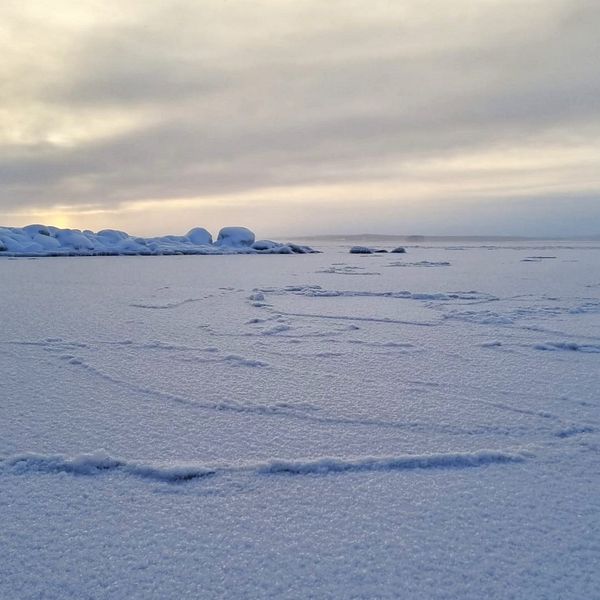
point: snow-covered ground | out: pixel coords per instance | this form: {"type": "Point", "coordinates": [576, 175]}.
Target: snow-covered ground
{"type": "Point", "coordinates": [319, 426]}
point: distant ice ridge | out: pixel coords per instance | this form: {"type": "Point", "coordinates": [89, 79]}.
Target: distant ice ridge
{"type": "Point", "coordinates": [42, 240]}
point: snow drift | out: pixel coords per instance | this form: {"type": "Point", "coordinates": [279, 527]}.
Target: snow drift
{"type": "Point", "coordinates": [42, 240]}
{"type": "Point", "coordinates": [100, 461]}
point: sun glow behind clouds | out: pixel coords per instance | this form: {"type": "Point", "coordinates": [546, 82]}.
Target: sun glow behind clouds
{"type": "Point", "coordinates": [60, 220]}
{"type": "Point", "coordinates": [430, 196]}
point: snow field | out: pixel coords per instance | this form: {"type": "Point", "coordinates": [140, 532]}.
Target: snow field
{"type": "Point", "coordinates": [267, 429]}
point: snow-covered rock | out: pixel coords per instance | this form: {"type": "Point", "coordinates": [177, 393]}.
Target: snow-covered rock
{"type": "Point", "coordinates": [46, 241]}
{"type": "Point", "coordinates": [264, 245]}
{"type": "Point", "coordinates": [37, 229]}
{"type": "Point", "coordinates": [112, 235]}
{"type": "Point", "coordinates": [41, 240]}
{"type": "Point", "coordinates": [75, 239]}
{"type": "Point", "coordinates": [199, 236]}
{"type": "Point", "coordinates": [367, 250]}
{"type": "Point", "coordinates": [399, 250]}
{"type": "Point", "coordinates": [298, 249]}
{"type": "Point", "coordinates": [235, 237]}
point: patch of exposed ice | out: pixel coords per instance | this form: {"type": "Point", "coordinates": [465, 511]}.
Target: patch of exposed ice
{"type": "Point", "coordinates": [347, 270]}
{"type": "Point", "coordinates": [318, 291]}
{"type": "Point", "coordinates": [422, 263]}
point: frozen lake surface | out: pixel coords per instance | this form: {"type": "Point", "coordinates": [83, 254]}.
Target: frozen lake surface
{"type": "Point", "coordinates": [343, 426]}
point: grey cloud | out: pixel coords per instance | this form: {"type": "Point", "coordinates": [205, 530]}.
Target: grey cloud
{"type": "Point", "coordinates": [306, 103]}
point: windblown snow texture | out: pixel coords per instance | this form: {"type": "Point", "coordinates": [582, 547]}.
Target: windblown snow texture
{"type": "Point", "coordinates": [248, 428]}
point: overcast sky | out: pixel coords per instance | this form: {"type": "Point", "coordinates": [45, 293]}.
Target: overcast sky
{"type": "Point", "coordinates": [302, 116]}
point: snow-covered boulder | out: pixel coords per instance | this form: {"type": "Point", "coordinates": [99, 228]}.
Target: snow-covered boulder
{"type": "Point", "coordinates": [235, 237]}
{"type": "Point", "coordinates": [366, 250]}
{"type": "Point", "coordinates": [46, 241]}
{"type": "Point", "coordinates": [267, 246]}
{"type": "Point", "coordinates": [199, 236]}
{"type": "Point", "coordinates": [131, 245]}
{"type": "Point", "coordinates": [14, 240]}
{"type": "Point", "coordinates": [298, 249]}
{"type": "Point", "coordinates": [36, 229]}
{"type": "Point", "coordinates": [264, 245]}
{"type": "Point", "coordinates": [74, 239]}
{"type": "Point", "coordinates": [112, 236]}
{"type": "Point", "coordinates": [33, 248]}
{"type": "Point", "coordinates": [41, 240]}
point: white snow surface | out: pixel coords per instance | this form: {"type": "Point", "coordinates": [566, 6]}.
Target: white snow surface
{"type": "Point", "coordinates": [42, 240]}
{"type": "Point", "coordinates": [286, 429]}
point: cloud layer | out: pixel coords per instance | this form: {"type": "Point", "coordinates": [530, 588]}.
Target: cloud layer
{"type": "Point", "coordinates": [320, 115]}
